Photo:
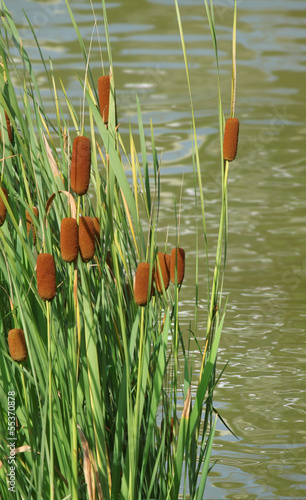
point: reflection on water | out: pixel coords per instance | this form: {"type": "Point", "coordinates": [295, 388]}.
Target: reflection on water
{"type": "Point", "coordinates": [262, 392]}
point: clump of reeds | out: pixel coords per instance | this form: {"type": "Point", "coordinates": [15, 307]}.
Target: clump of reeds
{"type": "Point", "coordinates": [80, 165]}
{"type": "Point", "coordinates": [162, 277]}
{"type": "Point", "coordinates": [69, 238]}
{"type": "Point", "coordinates": [177, 263]}
{"type": "Point", "coordinates": [17, 345]}
{"type": "Point", "coordinates": [230, 140]}
{"type": "Point", "coordinates": [46, 276]}
{"type": "Point", "coordinates": [86, 238]}
{"type": "Point", "coordinates": [3, 207]}
{"type": "Point", "coordinates": [30, 225]}
{"type": "Point", "coordinates": [141, 284]}
{"type": "Point", "coordinates": [103, 91]}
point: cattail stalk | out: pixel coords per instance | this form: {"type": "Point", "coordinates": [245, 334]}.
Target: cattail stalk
{"type": "Point", "coordinates": [3, 207]}
{"type": "Point", "coordinates": [46, 276]}
{"type": "Point", "coordinates": [162, 277]}
{"type": "Point", "coordinates": [69, 238]}
{"type": "Point", "coordinates": [80, 165]}
{"type": "Point", "coordinates": [30, 225]}
{"type": "Point", "coordinates": [230, 141]}
{"type": "Point", "coordinates": [141, 284]}
{"type": "Point", "coordinates": [177, 263]}
{"type": "Point", "coordinates": [17, 345]}
{"type": "Point", "coordinates": [104, 91]}
{"type": "Point", "coordinates": [86, 238]}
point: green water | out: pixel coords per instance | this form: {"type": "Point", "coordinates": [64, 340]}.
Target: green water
{"type": "Point", "coordinates": [262, 392]}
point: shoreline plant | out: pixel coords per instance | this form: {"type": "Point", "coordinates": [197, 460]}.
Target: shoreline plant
{"type": "Point", "coordinates": [95, 379]}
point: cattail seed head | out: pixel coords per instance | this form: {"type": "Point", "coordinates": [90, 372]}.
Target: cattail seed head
{"type": "Point", "coordinates": [17, 345]}
{"type": "Point", "coordinates": [177, 261]}
{"type": "Point", "coordinates": [3, 207]}
{"type": "Point", "coordinates": [103, 91]}
{"type": "Point", "coordinates": [46, 278]}
{"type": "Point", "coordinates": [141, 284]}
{"type": "Point", "coordinates": [96, 227]}
{"type": "Point", "coordinates": [30, 225]}
{"type": "Point", "coordinates": [9, 128]}
{"type": "Point", "coordinates": [230, 140]}
{"type": "Point", "coordinates": [161, 277]}
{"type": "Point", "coordinates": [86, 238]}
{"type": "Point", "coordinates": [69, 239]}
{"type": "Point", "coordinates": [80, 165]}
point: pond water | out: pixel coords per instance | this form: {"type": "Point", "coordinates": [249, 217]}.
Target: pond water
{"type": "Point", "coordinates": [262, 392]}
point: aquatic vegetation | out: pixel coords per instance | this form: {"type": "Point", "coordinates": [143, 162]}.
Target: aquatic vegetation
{"type": "Point", "coordinates": [104, 336]}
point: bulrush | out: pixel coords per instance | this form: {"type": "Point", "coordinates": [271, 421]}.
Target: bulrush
{"type": "Point", "coordinates": [3, 207]}
{"type": "Point", "coordinates": [30, 225]}
{"type": "Point", "coordinates": [17, 345]}
{"type": "Point", "coordinates": [103, 91]}
{"type": "Point", "coordinates": [96, 228]}
{"type": "Point", "coordinates": [141, 284]}
{"type": "Point", "coordinates": [69, 239]}
{"type": "Point", "coordinates": [46, 280]}
{"type": "Point", "coordinates": [230, 140]}
{"type": "Point", "coordinates": [9, 128]}
{"type": "Point", "coordinates": [177, 261]}
{"type": "Point", "coordinates": [168, 259]}
{"type": "Point", "coordinates": [86, 238]}
{"type": "Point", "coordinates": [80, 165]}
{"type": "Point", "coordinates": [161, 276]}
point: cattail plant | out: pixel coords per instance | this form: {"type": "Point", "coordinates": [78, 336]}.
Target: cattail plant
{"type": "Point", "coordinates": [3, 207]}
{"type": "Point", "coordinates": [17, 345]}
{"type": "Point", "coordinates": [177, 263]}
{"type": "Point", "coordinates": [30, 225]}
{"type": "Point", "coordinates": [230, 140]}
{"type": "Point", "coordinates": [86, 238]}
{"type": "Point", "coordinates": [80, 165]}
{"type": "Point", "coordinates": [46, 279]}
{"type": "Point", "coordinates": [141, 284]}
{"type": "Point", "coordinates": [162, 276]}
{"type": "Point", "coordinates": [103, 91]}
{"type": "Point", "coordinates": [69, 238]}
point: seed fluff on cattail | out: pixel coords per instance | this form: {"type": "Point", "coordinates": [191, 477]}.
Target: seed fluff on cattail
{"type": "Point", "coordinates": [80, 165]}
{"type": "Point", "coordinates": [177, 262]}
{"type": "Point", "coordinates": [3, 207]}
{"type": "Point", "coordinates": [69, 238]}
{"type": "Point", "coordinates": [86, 238]}
{"type": "Point", "coordinates": [46, 276]}
{"type": "Point", "coordinates": [17, 345]}
{"type": "Point", "coordinates": [141, 284]}
{"type": "Point", "coordinates": [104, 91]}
{"type": "Point", "coordinates": [230, 141]}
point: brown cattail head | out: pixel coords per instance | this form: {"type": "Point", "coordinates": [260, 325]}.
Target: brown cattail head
{"type": "Point", "coordinates": [177, 261]}
{"type": "Point", "coordinates": [3, 207]}
{"type": "Point", "coordinates": [86, 238]}
{"type": "Point", "coordinates": [17, 345]}
{"type": "Point", "coordinates": [103, 91]}
{"type": "Point", "coordinates": [9, 128]}
{"type": "Point", "coordinates": [80, 165]}
{"type": "Point", "coordinates": [69, 239]}
{"type": "Point", "coordinates": [30, 225]}
{"type": "Point", "coordinates": [163, 276]}
{"type": "Point", "coordinates": [230, 140]}
{"type": "Point", "coordinates": [141, 284]}
{"type": "Point", "coordinates": [96, 227]}
{"type": "Point", "coordinates": [46, 279]}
